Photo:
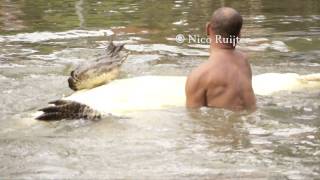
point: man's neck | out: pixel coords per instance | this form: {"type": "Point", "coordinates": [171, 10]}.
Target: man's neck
{"type": "Point", "coordinates": [218, 47]}
{"type": "Point", "coordinates": [215, 46]}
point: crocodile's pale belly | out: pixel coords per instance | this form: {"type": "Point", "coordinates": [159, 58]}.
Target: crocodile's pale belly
{"type": "Point", "coordinates": [139, 93]}
{"type": "Point", "coordinates": [158, 92]}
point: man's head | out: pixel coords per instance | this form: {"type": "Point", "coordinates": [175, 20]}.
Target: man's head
{"type": "Point", "coordinates": [226, 22]}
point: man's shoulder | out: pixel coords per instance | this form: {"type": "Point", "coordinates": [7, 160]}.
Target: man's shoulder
{"type": "Point", "coordinates": [197, 73]}
{"type": "Point", "coordinates": [243, 58]}
{"type": "Point", "coordinates": [207, 74]}
{"type": "Point", "coordinates": [242, 55]}
{"type": "Point", "coordinates": [245, 65]}
{"type": "Point", "coordinates": [200, 74]}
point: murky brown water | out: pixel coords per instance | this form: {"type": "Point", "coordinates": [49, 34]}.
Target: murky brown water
{"type": "Point", "coordinates": [41, 41]}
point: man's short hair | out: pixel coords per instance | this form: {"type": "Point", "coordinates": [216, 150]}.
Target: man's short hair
{"type": "Point", "coordinates": [226, 22]}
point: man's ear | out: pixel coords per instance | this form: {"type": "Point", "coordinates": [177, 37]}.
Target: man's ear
{"type": "Point", "coordinates": [208, 28]}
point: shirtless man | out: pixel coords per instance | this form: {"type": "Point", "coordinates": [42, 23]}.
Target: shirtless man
{"type": "Point", "coordinates": [224, 81]}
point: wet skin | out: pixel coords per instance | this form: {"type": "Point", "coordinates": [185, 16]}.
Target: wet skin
{"type": "Point", "coordinates": [224, 81]}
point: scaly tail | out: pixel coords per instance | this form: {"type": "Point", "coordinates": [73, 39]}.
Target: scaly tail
{"type": "Point", "coordinates": [62, 109]}
{"type": "Point", "coordinates": [112, 49]}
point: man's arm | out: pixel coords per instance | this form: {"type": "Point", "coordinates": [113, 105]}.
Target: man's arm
{"type": "Point", "coordinates": [195, 92]}
{"type": "Point", "coordinates": [250, 99]}
{"type": "Point", "coordinates": [249, 95]}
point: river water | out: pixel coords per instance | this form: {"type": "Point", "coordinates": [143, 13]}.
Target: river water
{"type": "Point", "coordinates": [41, 41]}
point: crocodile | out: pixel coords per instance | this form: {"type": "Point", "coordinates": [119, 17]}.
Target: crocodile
{"type": "Point", "coordinates": [156, 92]}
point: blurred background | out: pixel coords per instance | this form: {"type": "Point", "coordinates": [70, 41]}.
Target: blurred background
{"type": "Point", "coordinates": [41, 41]}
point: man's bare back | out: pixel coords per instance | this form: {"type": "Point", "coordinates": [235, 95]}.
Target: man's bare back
{"type": "Point", "coordinates": [224, 81]}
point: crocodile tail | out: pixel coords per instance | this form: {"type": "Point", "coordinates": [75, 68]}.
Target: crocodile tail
{"type": "Point", "coordinates": [63, 109]}
{"type": "Point", "coordinates": [112, 49]}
